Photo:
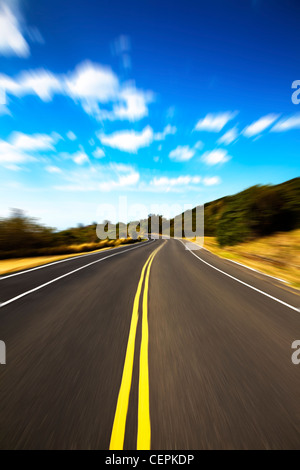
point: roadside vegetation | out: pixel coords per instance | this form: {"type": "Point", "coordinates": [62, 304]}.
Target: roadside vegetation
{"type": "Point", "coordinates": [259, 227]}
{"type": "Point", "coordinates": [24, 237]}
{"type": "Point", "coordinates": [254, 213]}
{"type": "Point", "coordinates": [277, 255]}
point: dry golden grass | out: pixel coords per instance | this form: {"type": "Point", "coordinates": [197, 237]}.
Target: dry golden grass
{"type": "Point", "coordinates": [19, 264]}
{"type": "Point", "coordinates": [277, 255]}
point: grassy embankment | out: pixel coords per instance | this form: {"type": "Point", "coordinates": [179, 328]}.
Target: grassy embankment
{"type": "Point", "coordinates": [277, 255]}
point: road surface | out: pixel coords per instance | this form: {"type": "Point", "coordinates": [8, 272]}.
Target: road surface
{"type": "Point", "coordinates": [124, 350]}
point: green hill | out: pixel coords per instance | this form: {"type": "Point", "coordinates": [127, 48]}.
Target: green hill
{"type": "Point", "coordinates": [253, 213]}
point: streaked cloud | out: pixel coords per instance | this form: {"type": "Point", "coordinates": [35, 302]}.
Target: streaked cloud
{"type": "Point", "coordinates": [215, 122]}
{"type": "Point", "coordinates": [34, 142]}
{"type": "Point", "coordinates": [132, 106]}
{"type": "Point", "coordinates": [23, 148]}
{"type": "Point", "coordinates": [215, 157]}
{"type": "Point", "coordinates": [166, 182]}
{"type": "Point", "coordinates": [12, 41]}
{"type": "Point", "coordinates": [181, 183]}
{"type": "Point", "coordinates": [121, 47]}
{"type": "Point", "coordinates": [96, 87]}
{"type": "Point", "coordinates": [229, 136]}
{"type": "Point", "coordinates": [9, 154]}
{"type": "Point", "coordinates": [260, 125]}
{"type": "Point", "coordinates": [53, 169]}
{"type": "Point", "coordinates": [98, 153]}
{"type": "Point", "coordinates": [80, 158]}
{"type": "Point", "coordinates": [104, 178]}
{"type": "Point", "coordinates": [71, 135]}
{"type": "Point", "coordinates": [12, 167]}
{"type": "Point", "coordinates": [91, 82]}
{"type": "Point", "coordinates": [38, 82]}
{"type": "Point", "coordinates": [128, 140]}
{"type": "Point", "coordinates": [126, 179]}
{"type": "Point", "coordinates": [211, 181]}
{"type": "Point", "coordinates": [182, 153]}
{"type": "Point", "coordinates": [168, 130]}
{"type": "Point", "coordinates": [199, 145]}
{"type": "Point", "coordinates": [286, 124]}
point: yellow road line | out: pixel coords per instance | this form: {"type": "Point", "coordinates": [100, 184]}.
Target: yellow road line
{"type": "Point", "coordinates": [144, 426]}
{"type": "Point", "coordinates": [118, 431]}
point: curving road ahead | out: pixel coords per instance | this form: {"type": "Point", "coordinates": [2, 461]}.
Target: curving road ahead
{"type": "Point", "coordinates": [149, 345]}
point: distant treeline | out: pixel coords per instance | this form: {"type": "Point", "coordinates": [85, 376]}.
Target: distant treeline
{"type": "Point", "coordinates": [253, 213]}
{"type": "Point", "coordinates": [22, 236]}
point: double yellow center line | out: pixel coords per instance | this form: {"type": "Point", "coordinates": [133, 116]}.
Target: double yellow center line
{"type": "Point", "coordinates": [144, 426]}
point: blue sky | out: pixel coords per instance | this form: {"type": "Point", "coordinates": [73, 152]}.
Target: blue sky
{"type": "Point", "coordinates": [160, 101]}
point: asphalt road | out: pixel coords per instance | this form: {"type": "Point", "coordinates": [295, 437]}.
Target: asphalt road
{"type": "Point", "coordinates": [186, 352]}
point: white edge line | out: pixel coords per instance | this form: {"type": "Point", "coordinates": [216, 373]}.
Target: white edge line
{"type": "Point", "coordinates": [3, 304]}
{"type": "Point", "coordinates": [47, 265]}
{"type": "Point", "coordinates": [256, 270]}
{"type": "Point", "coordinates": [244, 283]}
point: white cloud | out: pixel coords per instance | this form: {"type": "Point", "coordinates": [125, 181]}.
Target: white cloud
{"type": "Point", "coordinates": [39, 82]}
{"type": "Point", "coordinates": [34, 142]}
{"type": "Point", "coordinates": [92, 82]}
{"type": "Point", "coordinates": [98, 153]}
{"type": "Point", "coordinates": [229, 136]}
{"type": "Point", "coordinates": [53, 169]}
{"type": "Point", "coordinates": [80, 157]}
{"type": "Point", "coordinates": [214, 122]}
{"type": "Point", "coordinates": [12, 41]}
{"type": "Point", "coordinates": [177, 184]}
{"type": "Point", "coordinates": [199, 145]}
{"type": "Point", "coordinates": [71, 135]}
{"type": "Point", "coordinates": [260, 125]}
{"type": "Point", "coordinates": [9, 154]}
{"type": "Point", "coordinates": [166, 182]}
{"type": "Point", "coordinates": [21, 148]}
{"type": "Point", "coordinates": [101, 178]}
{"type": "Point", "coordinates": [56, 137]}
{"type": "Point", "coordinates": [129, 140]}
{"type": "Point", "coordinates": [181, 182]}
{"type": "Point", "coordinates": [182, 153]}
{"type": "Point", "coordinates": [168, 130]}
{"type": "Point", "coordinates": [13, 167]}
{"type": "Point", "coordinates": [123, 181]}
{"type": "Point", "coordinates": [211, 181]}
{"type": "Point", "coordinates": [287, 124]}
{"type": "Point", "coordinates": [94, 86]}
{"type": "Point", "coordinates": [132, 105]}
{"type": "Point", "coordinates": [215, 157]}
